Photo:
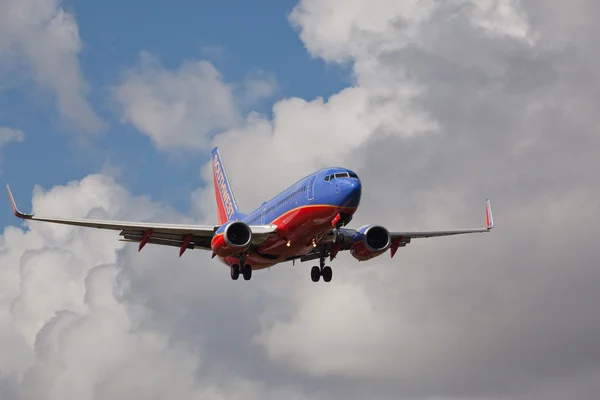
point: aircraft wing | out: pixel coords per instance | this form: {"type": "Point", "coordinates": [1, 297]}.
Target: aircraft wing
{"type": "Point", "coordinates": [489, 224]}
{"type": "Point", "coordinates": [398, 239]}
{"type": "Point", "coordinates": [177, 235]}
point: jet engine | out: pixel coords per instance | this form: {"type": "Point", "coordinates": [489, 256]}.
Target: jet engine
{"type": "Point", "coordinates": [231, 239]}
{"type": "Point", "coordinates": [370, 241]}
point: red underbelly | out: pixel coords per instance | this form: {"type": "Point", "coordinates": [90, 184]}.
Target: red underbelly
{"type": "Point", "coordinates": [298, 227]}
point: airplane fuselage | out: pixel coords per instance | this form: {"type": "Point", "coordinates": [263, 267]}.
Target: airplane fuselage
{"type": "Point", "coordinates": [303, 214]}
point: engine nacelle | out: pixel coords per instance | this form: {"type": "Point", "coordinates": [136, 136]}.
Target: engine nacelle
{"type": "Point", "coordinates": [231, 239]}
{"type": "Point", "coordinates": [369, 242]}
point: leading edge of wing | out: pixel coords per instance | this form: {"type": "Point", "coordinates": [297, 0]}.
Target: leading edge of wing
{"type": "Point", "coordinates": [489, 224]}
{"type": "Point", "coordinates": [199, 230]}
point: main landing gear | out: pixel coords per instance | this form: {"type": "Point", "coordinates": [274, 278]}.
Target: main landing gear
{"type": "Point", "coordinates": [245, 270]}
{"type": "Point", "coordinates": [322, 271]}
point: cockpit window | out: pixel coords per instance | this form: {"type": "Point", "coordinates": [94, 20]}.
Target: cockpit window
{"type": "Point", "coordinates": [331, 177]}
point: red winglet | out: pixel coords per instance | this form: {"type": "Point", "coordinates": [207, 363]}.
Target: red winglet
{"type": "Point", "coordinates": [15, 210]}
{"type": "Point", "coordinates": [489, 220]}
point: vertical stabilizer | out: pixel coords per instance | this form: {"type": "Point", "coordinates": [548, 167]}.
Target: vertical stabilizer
{"type": "Point", "coordinates": [226, 205]}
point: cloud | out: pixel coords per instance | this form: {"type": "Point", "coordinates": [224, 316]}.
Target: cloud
{"type": "Point", "coordinates": [79, 316]}
{"type": "Point", "coordinates": [8, 135]}
{"type": "Point", "coordinates": [452, 102]}
{"type": "Point", "coordinates": [258, 86]}
{"type": "Point", "coordinates": [182, 109]}
{"type": "Point", "coordinates": [46, 38]}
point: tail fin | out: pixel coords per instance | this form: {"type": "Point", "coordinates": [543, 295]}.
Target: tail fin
{"type": "Point", "coordinates": [226, 205]}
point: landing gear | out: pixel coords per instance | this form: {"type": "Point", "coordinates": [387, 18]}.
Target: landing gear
{"type": "Point", "coordinates": [235, 272]}
{"type": "Point", "coordinates": [337, 237]}
{"type": "Point", "coordinates": [247, 272]}
{"type": "Point", "coordinates": [322, 271]}
{"type": "Point", "coordinates": [242, 268]}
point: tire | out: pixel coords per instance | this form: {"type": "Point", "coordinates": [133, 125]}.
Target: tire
{"type": "Point", "coordinates": [327, 274]}
{"type": "Point", "coordinates": [234, 272]}
{"type": "Point", "coordinates": [315, 274]}
{"type": "Point", "coordinates": [247, 272]}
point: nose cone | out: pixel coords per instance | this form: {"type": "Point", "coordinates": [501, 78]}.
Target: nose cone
{"type": "Point", "coordinates": [351, 191]}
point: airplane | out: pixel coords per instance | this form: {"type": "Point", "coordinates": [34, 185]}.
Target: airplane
{"type": "Point", "coordinates": [307, 221]}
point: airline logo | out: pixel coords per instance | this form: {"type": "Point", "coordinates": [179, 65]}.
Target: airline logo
{"type": "Point", "coordinates": [223, 189]}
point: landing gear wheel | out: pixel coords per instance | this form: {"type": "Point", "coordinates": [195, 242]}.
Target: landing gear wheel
{"type": "Point", "coordinates": [327, 274]}
{"type": "Point", "coordinates": [235, 272]}
{"type": "Point", "coordinates": [247, 272]}
{"type": "Point", "coordinates": [315, 274]}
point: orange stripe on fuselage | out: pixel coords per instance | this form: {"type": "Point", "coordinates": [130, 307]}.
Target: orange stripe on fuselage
{"type": "Point", "coordinates": [299, 225]}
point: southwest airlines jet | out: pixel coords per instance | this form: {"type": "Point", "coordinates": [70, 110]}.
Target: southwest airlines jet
{"type": "Point", "coordinates": [306, 222]}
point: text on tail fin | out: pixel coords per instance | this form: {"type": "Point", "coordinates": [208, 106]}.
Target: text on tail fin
{"type": "Point", "coordinates": [226, 205]}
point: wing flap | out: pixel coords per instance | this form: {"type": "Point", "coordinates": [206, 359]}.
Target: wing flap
{"type": "Point", "coordinates": [163, 242]}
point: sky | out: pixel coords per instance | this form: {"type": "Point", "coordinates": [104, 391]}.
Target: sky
{"type": "Point", "coordinates": [107, 47]}
{"type": "Point", "coordinates": [110, 111]}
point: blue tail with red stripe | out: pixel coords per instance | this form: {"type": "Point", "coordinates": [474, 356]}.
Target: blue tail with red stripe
{"type": "Point", "coordinates": [227, 208]}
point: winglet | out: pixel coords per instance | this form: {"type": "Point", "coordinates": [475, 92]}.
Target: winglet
{"type": "Point", "coordinates": [14, 206]}
{"type": "Point", "coordinates": [489, 220]}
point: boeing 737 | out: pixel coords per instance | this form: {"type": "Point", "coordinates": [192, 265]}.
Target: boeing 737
{"type": "Point", "coordinates": [307, 221]}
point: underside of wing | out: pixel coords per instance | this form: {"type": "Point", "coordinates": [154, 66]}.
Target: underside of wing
{"type": "Point", "coordinates": [371, 241]}
{"type": "Point", "coordinates": [489, 224]}
{"type": "Point", "coordinates": [176, 235]}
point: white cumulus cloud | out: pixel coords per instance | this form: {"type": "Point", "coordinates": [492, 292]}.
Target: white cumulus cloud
{"type": "Point", "coordinates": [74, 324]}
{"type": "Point", "coordinates": [183, 108]}
{"type": "Point", "coordinates": [46, 37]}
